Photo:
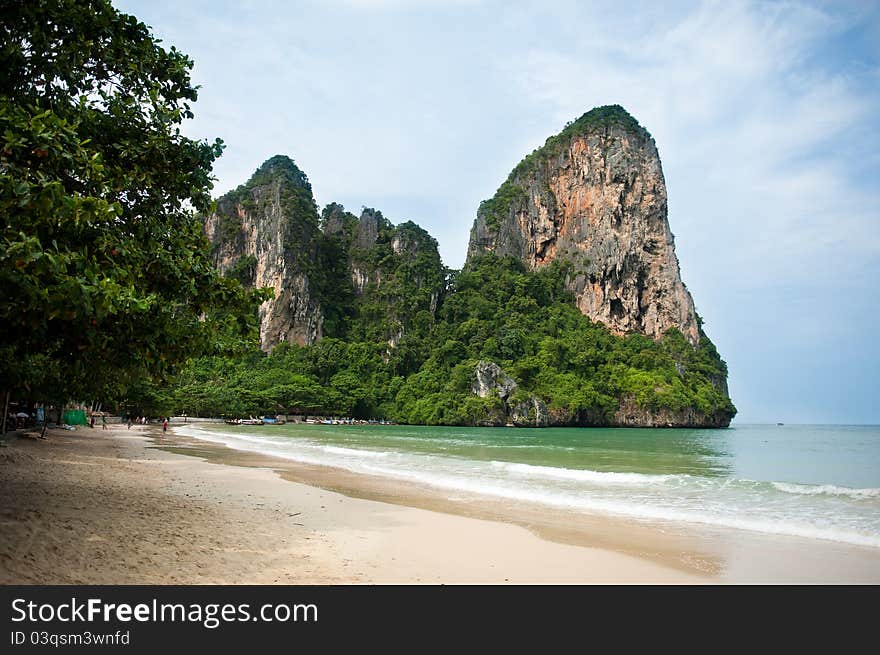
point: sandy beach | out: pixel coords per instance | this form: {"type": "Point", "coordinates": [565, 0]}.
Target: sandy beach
{"type": "Point", "coordinates": [124, 506]}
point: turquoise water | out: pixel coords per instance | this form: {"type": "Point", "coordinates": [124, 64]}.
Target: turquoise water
{"type": "Point", "coordinates": [810, 481]}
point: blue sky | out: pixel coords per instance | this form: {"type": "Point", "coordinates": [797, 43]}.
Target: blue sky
{"type": "Point", "coordinates": [765, 116]}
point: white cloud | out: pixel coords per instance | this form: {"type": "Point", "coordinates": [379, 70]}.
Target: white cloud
{"type": "Point", "coordinates": [745, 132]}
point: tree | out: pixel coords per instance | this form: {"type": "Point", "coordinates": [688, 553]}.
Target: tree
{"type": "Point", "coordinates": [104, 265]}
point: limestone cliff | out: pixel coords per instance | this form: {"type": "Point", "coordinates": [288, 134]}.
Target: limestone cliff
{"type": "Point", "coordinates": [395, 273]}
{"type": "Point", "coordinates": [594, 195]}
{"type": "Point", "coordinates": [266, 234]}
{"type": "Point", "coordinates": [513, 407]}
{"type": "Point", "coordinates": [501, 342]}
{"type": "Point", "coordinates": [334, 275]}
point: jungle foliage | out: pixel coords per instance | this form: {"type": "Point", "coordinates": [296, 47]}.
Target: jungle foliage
{"type": "Point", "coordinates": [525, 321]}
{"type": "Point", "coordinates": [105, 268]}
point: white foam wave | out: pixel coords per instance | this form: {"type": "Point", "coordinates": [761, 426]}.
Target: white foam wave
{"type": "Point", "coordinates": [641, 496]}
{"type": "Point", "coordinates": [353, 452]}
{"type": "Point", "coordinates": [300, 450]}
{"type": "Point", "coordinates": [638, 510]}
{"type": "Point", "coordinates": [584, 475]}
{"type": "Point", "coordinates": [826, 489]}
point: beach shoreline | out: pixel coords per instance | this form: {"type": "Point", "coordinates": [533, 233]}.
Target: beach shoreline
{"type": "Point", "coordinates": [138, 507]}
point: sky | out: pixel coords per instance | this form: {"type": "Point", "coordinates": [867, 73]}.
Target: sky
{"type": "Point", "coordinates": [766, 117]}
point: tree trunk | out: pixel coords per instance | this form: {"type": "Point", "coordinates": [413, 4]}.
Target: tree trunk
{"type": "Point", "coordinates": [5, 412]}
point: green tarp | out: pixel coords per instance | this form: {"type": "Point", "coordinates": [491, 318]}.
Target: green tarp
{"type": "Point", "coordinates": [75, 416]}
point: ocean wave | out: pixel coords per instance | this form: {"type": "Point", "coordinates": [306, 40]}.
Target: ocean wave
{"type": "Point", "coordinates": [308, 451]}
{"type": "Point", "coordinates": [782, 526]}
{"type": "Point", "coordinates": [827, 490]}
{"type": "Point", "coordinates": [731, 503]}
{"type": "Point", "coordinates": [355, 452]}
{"type": "Point", "coordinates": [585, 475]}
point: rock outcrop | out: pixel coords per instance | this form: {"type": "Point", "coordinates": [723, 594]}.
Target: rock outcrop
{"type": "Point", "coordinates": [266, 233]}
{"type": "Point", "coordinates": [489, 378]}
{"type": "Point", "coordinates": [594, 196]}
{"type": "Point", "coordinates": [337, 275]}
{"type": "Point", "coordinates": [368, 228]}
{"type": "Point", "coordinates": [529, 412]}
{"type": "Point", "coordinates": [631, 414]}
{"type": "Point", "coordinates": [515, 408]}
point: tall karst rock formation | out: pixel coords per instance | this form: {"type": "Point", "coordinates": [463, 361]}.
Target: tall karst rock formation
{"type": "Point", "coordinates": [335, 275]}
{"type": "Point", "coordinates": [455, 347]}
{"type": "Point", "coordinates": [595, 195]}
{"type": "Point", "coordinates": [266, 233]}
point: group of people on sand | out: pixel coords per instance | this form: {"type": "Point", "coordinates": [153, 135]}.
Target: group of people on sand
{"type": "Point", "coordinates": [140, 420]}
{"type": "Point", "coordinates": [143, 420]}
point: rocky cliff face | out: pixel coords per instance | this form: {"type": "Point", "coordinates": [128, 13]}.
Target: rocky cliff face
{"type": "Point", "coordinates": [517, 409]}
{"type": "Point", "coordinates": [266, 234]}
{"type": "Point", "coordinates": [592, 198]}
{"type": "Point", "coordinates": [595, 196]}
{"type": "Point", "coordinates": [337, 275]}
{"type": "Point", "coordinates": [395, 271]}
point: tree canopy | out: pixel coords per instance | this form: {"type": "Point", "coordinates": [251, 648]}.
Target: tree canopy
{"type": "Point", "coordinates": [104, 265]}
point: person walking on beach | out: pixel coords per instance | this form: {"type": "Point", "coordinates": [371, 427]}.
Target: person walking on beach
{"type": "Point", "coordinates": [129, 422]}
{"type": "Point", "coordinates": [164, 426]}
{"type": "Point", "coordinates": [103, 422]}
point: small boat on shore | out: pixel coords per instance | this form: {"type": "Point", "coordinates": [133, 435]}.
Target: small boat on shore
{"type": "Point", "coordinates": [244, 421]}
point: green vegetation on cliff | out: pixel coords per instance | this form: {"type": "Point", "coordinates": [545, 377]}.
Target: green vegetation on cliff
{"type": "Point", "coordinates": [404, 279]}
{"type": "Point", "coordinates": [495, 311]}
{"type": "Point", "coordinates": [511, 192]}
{"type": "Point", "coordinates": [380, 281]}
{"type": "Point", "coordinates": [278, 181]}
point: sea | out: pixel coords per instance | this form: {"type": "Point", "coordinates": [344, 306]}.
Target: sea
{"type": "Point", "coordinates": [810, 481]}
